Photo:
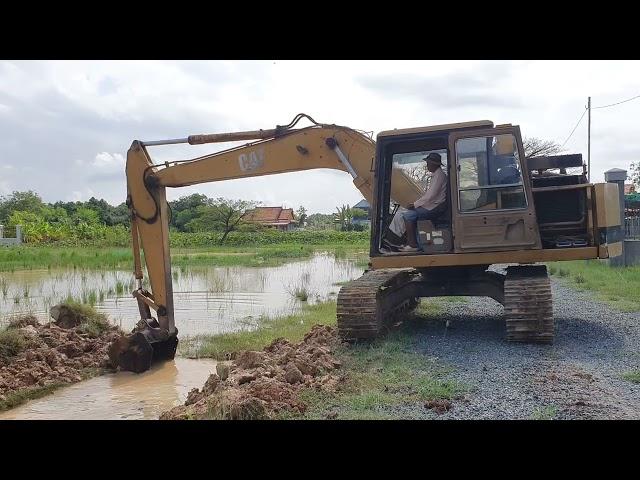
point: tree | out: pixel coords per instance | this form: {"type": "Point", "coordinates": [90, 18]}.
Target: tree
{"type": "Point", "coordinates": [20, 201]}
{"type": "Point", "coordinates": [344, 218]}
{"type": "Point", "coordinates": [320, 221]}
{"type": "Point", "coordinates": [185, 209]}
{"type": "Point", "coordinates": [358, 213]}
{"type": "Point", "coordinates": [302, 216]}
{"type": "Point", "coordinates": [536, 147]}
{"type": "Point", "coordinates": [634, 174]}
{"type": "Point", "coordinates": [220, 214]}
{"type": "Point", "coordinates": [87, 216]}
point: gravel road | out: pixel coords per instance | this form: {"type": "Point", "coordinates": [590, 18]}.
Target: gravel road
{"type": "Point", "coordinates": [578, 377]}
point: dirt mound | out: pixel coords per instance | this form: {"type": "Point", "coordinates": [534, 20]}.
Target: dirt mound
{"type": "Point", "coordinates": [439, 406]}
{"type": "Point", "coordinates": [260, 384]}
{"type": "Point", "coordinates": [37, 355]}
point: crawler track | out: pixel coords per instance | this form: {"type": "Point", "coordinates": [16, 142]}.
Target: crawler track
{"type": "Point", "coordinates": [364, 307]}
{"type": "Point", "coordinates": [528, 305]}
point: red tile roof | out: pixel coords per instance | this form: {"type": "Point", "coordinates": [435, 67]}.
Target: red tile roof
{"type": "Point", "coordinates": [270, 215]}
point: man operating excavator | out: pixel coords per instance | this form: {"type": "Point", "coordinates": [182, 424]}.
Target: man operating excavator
{"type": "Point", "coordinates": [429, 206]}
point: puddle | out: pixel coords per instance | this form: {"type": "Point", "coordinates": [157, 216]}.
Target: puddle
{"type": "Point", "coordinates": [120, 396]}
{"type": "Point", "coordinates": [208, 300]}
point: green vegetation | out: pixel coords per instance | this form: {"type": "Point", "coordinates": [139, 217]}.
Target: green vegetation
{"type": "Point", "coordinates": [12, 342]}
{"type": "Point", "coordinates": [632, 376]}
{"type": "Point", "coordinates": [291, 327]}
{"type": "Point", "coordinates": [93, 322]}
{"type": "Point", "coordinates": [619, 287]}
{"type": "Point", "coordinates": [388, 371]}
{"type": "Point", "coordinates": [31, 257]}
{"type": "Point", "coordinates": [544, 413]}
{"type": "Point", "coordinates": [195, 221]}
{"type": "Point", "coordinates": [13, 399]}
{"type": "Point", "coordinates": [299, 292]}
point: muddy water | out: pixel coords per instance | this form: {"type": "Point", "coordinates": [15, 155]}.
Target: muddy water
{"type": "Point", "coordinates": [123, 395]}
{"type": "Point", "coordinates": [208, 300]}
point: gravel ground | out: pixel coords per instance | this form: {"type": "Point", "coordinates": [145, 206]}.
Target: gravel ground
{"type": "Point", "coordinates": [578, 377]}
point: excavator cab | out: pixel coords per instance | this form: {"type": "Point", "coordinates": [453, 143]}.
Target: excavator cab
{"type": "Point", "coordinates": [489, 198]}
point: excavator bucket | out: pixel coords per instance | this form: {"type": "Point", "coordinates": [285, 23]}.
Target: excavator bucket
{"type": "Point", "coordinates": [146, 344]}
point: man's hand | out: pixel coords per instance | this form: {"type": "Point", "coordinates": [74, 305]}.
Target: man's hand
{"type": "Point", "coordinates": [411, 206]}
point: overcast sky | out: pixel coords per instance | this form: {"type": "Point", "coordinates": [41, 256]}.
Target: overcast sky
{"type": "Point", "coordinates": [65, 126]}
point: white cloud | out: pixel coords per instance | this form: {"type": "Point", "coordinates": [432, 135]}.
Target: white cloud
{"type": "Point", "coordinates": [109, 160]}
{"type": "Point", "coordinates": [80, 196]}
{"type": "Point", "coordinates": [63, 112]}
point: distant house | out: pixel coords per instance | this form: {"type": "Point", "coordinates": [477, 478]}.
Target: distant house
{"type": "Point", "coordinates": [365, 207]}
{"type": "Point", "coordinates": [273, 217]}
{"type": "Point", "coordinates": [629, 188]}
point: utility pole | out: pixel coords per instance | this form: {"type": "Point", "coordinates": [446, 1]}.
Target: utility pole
{"type": "Point", "coordinates": [589, 143]}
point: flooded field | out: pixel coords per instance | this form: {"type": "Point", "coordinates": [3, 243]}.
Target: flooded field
{"type": "Point", "coordinates": [208, 300]}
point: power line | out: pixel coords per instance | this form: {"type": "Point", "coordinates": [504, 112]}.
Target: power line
{"type": "Point", "coordinates": [574, 128]}
{"type": "Point", "coordinates": [618, 103]}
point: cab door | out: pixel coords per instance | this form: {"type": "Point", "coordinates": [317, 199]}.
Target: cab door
{"type": "Point", "coordinates": [491, 198]}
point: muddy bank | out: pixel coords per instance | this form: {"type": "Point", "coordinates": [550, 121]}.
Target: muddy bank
{"type": "Point", "coordinates": [37, 357]}
{"type": "Point", "coordinates": [261, 384]}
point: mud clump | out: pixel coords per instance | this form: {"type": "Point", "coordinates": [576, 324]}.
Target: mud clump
{"type": "Point", "coordinates": [261, 384]}
{"type": "Point", "coordinates": [439, 406]}
{"type": "Point", "coordinates": [34, 355]}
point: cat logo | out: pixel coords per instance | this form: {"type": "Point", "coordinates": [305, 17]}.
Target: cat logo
{"type": "Point", "coordinates": [252, 160]}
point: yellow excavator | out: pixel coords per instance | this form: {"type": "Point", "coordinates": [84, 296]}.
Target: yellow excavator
{"type": "Point", "coordinates": [502, 208]}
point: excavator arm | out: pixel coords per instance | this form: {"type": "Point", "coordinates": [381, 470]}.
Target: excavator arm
{"type": "Point", "coordinates": [278, 150]}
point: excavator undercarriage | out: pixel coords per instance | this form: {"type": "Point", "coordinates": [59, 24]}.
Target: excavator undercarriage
{"type": "Point", "coordinates": [372, 303]}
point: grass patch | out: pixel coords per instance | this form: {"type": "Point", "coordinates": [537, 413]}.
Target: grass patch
{"type": "Point", "coordinates": [388, 371]}
{"type": "Point", "coordinates": [12, 342]}
{"type": "Point", "coordinates": [37, 257]}
{"type": "Point", "coordinates": [93, 322]}
{"type": "Point", "coordinates": [633, 376]}
{"type": "Point", "coordinates": [301, 292]}
{"type": "Point", "coordinates": [13, 399]}
{"type": "Point", "coordinates": [617, 286]}
{"type": "Point", "coordinates": [291, 327]}
{"type": "Point", "coordinates": [544, 413]}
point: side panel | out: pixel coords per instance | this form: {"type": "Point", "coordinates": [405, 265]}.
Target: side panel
{"type": "Point", "coordinates": [486, 258]}
{"type": "Point", "coordinates": [609, 231]}
{"type": "Point", "coordinates": [499, 229]}
{"type": "Point", "coordinates": [607, 204]}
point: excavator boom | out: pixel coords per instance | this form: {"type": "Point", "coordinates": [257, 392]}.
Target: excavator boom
{"type": "Point", "coordinates": [278, 150]}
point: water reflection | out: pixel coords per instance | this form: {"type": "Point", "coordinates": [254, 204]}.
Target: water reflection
{"type": "Point", "coordinates": [207, 299]}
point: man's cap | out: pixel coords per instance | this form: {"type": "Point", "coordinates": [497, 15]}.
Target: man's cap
{"type": "Point", "coordinates": [433, 157]}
